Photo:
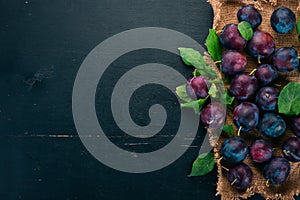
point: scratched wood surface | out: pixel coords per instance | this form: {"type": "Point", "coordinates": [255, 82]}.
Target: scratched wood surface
{"type": "Point", "coordinates": [42, 44]}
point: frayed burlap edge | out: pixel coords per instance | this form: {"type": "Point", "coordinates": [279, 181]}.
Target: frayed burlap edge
{"type": "Point", "coordinates": [225, 13]}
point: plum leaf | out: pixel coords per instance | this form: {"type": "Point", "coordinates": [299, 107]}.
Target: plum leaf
{"type": "Point", "coordinates": [289, 99]}
{"type": "Point", "coordinates": [203, 164]}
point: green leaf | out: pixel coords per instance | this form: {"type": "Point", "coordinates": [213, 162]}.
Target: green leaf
{"type": "Point", "coordinates": [298, 27]}
{"type": "Point", "coordinates": [203, 165]}
{"type": "Point", "coordinates": [193, 104]}
{"type": "Point", "coordinates": [245, 30]}
{"type": "Point", "coordinates": [225, 97]}
{"type": "Point", "coordinates": [289, 99]}
{"type": "Point", "coordinates": [216, 81]}
{"type": "Point", "coordinates": [197, 105]}
{"type": "Point", "coordinates": [228, 129]}
{"type": "Point", "coordinates": [192, 57]}
{"type": "Point", "coordinates": [181, 93]}
{"type": "Point", "coordinates": [213, 91]}
{"type": "Point", "coordinates": [213, 45]}
{"type": "Point", "coordinates": [226, 79]}
{"type": "Point", "coordinates": [229, 98]}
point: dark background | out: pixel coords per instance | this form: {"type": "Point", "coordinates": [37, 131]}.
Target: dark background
{"type": "Point", "coordinates": [42, 44]}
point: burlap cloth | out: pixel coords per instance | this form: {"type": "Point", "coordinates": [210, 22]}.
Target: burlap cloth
{"type": "Point", "coordinates": [225, 13]}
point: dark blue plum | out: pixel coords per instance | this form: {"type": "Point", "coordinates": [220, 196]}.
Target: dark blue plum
{"type": "Point", "coordinates": [272, 125]}
{"type": "Point", "coordinates": [277, 170]}
{"type": "Point", "coordinates": [261, 151]}
{"type": "Point", "coordinates": [265, 74]}
{"type": "Point", "coordinates": [231, 38]}
{"type": "Point", "coordinates": [286, 59]}
{"type": "Point", "coordinates": [291, 149]}
{"type": "Point", "coordinates": [234, 150]}
{"type": "Point", "coordinates": [243, 86]}
{"type": "Point", "coordinates": [296, 125]}
{"type": "Point", "coordinates": [246, 116]}
{"type": "Point", "coordinates": [213, 115]}
{"type": "Point", "coordinates": [283, 20]}
{"type": "Point", "coordinates": [197, 87]}
{"type": "Point", "coordinates": [249, 14]}
{"type": "Point", "coordinates": [240, 176]}
{"type": "Point", "coordinates": [262, 45]}
{"type": "Point", "coordinates": [267, 98]}
{"type": "Point", "coordinates": [233, 62]}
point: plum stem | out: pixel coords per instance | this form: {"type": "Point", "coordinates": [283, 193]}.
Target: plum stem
{"type": "Point", "coordinates": [234, 181]}
{"type": "Point", "coordinates": [267, 183]}
{"type": "Point", "coordinates": [195, 72]}
{"type": "Point", "coordinates": [239, 131]}
{"type": "Point", "coordinates": [219, 61]}
{"type": "Point", "coordinates": [278, 85]}
{"type": "Point", "coordinates": [252, 72]}
{"type": "Point", "coordinates": [211, 121]}
{"type": "Point", "coordinates": [219, 32]}
{"type": "Point", "coordinates": [226, 169]}
{"type": "Point", "coordinates": [219, 160]}
{"type": "Point", "coordinates": [286, 152]}
{"type": "Point", "coordinates": [258, 60]}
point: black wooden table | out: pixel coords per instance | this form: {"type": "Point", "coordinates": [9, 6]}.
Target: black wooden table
{"type": "Point", "coordinates": [42, 45]}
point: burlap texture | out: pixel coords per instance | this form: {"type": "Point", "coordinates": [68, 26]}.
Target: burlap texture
{"type": "Point", "coordinates": [225, 13]}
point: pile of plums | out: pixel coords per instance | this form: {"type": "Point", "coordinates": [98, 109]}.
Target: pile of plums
{"type": "Point", "coordinates": [257, 98]}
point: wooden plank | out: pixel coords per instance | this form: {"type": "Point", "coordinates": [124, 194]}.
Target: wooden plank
{"type": "Point", "coordinates": [42, 44]}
